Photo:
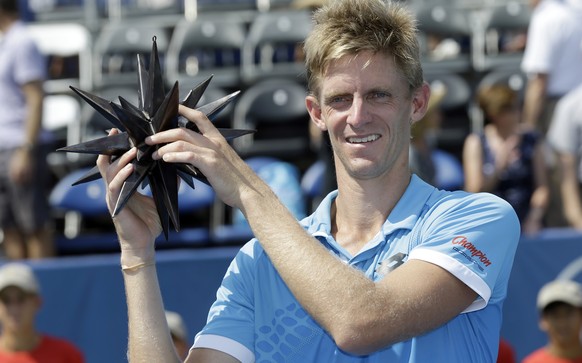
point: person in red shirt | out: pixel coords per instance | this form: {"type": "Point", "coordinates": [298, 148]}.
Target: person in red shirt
{"type": "Point", "coordinates": [560, 306]}
{"type": "Point", "coordinates": [506, 353]}
{"type": "Point", "coordinates": [20, 342]}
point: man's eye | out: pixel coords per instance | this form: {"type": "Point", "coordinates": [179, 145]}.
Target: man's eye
{"type": "Point", "coordinates": [380, 95]}
{"type": "Point", "coordinates": [338, 99]}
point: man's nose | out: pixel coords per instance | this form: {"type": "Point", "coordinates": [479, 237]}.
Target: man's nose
{"type": "Point", "coordinates": [358, 114]}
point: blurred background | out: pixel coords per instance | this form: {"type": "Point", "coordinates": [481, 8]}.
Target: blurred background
{"type": "Point", "coordinates": [253, 46]}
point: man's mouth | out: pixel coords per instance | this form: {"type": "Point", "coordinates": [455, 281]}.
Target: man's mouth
{"type": "Point", "coordinates": [361, 140]}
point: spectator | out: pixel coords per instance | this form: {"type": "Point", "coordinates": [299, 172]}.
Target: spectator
{"type": "Point", "coordinates": [565, 138]}
{"type": "Point", "coordinates": [388, 268]}
{"type": "Point", "coordinates": [178, 332]}
{"type": "Point", "coordinates": [24, 177]}
{"type": "Point", "coordinates": [423, 136]}
{"type": "Point", "coordinates": [552, 58]}
{"type": "Point", "coordinates": [506, 159]}
{"type": "Point", "coordinates": [506, 353]}
{"type": "Point", "coordinates": [560, 305]}
{"type": "Point", "coordinates": [20, 341]}
{"type": "Point", "coordinates": [552, 63]}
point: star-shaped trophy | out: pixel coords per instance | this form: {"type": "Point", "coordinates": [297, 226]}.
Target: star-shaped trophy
{"type": "Point", "coordinates": [157, 111]}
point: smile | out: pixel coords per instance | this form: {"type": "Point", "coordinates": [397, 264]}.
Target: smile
{"type": "Point", "coordinates": [361, 140]}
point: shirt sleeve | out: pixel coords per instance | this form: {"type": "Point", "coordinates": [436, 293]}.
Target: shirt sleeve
{"type": "Point", "coordinates": [30, 64]}
{"type": "Point", "coordinates": [541, 39]}
{"type": "Point", "coordinates": [230, 324]}
{"type": "Point", "coordinates": [474, 237]}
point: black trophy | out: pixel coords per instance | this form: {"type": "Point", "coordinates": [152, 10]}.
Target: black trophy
{"type": "Point", "coordinates": [157, 111]}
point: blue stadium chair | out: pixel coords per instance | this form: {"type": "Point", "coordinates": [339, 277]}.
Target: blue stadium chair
{"type": "Point", "coordinates": [283, 178]}
{"type": "Point", "coordinates": [224, 231]}
{"type": "Point", "coordinates": [87, 222]}
{"type": "Point", "coordinates": [312, 184]}
{"type": "Point", "coordinates": [449, 171]}
{"type": "Point", "coordinates": [194, 206]}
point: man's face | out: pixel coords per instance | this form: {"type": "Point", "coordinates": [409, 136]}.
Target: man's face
{"type": "Point", "coordinates": [367, 107]}
{"type": "Point", "coordinates": [18, 308]}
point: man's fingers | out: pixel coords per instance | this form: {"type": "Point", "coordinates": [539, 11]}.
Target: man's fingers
{"type": "Point", "coordinates": [103, 161]}
{"type": "Point", "coordinates": [197, 117]}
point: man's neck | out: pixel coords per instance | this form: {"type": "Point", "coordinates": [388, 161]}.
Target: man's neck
{"type": "Point", "coordinates": [571, 351]}
{"type": "Point", "coordinates": [361, 209]}
{"type": "Point", "coordinates": [19, 341]}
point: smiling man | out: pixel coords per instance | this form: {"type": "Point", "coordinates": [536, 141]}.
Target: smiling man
{"type": "Point", "coordinates": [387, 269]}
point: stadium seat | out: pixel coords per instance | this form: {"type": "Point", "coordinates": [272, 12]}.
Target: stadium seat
{"type": "Point", "coordinates": [195, 206]}
{"type": "Point", "coordinates": [284, 180]}
{"type": "Point", "coordinates": [447, 22]}
{"type": "Point", "coordinates": [455, 108]}
{"type": "Point", "coordinates": [312, 183]}
{"type": "Point", "coordinates": [449, 173]}
{"type": "Point", "coordinates": [117, 45]}
{"type": "Point", "coordinates": [62, 117]}
{"type": "Point", "coordinates": [67, 47]}
{"type": "Point", "coordinates": [497, 22]}
{"type": "Point", "coordinates": [87, 226]}
{"type": "Point", "coordinates": [272, 46]}
{"type": "Point", "coordinates": [276, 109]}
{"type": "Point", "coordinates": [209, 45]}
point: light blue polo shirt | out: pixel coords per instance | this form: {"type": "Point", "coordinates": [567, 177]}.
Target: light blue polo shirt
{"type": "Point", "coordinates": [473, 236]}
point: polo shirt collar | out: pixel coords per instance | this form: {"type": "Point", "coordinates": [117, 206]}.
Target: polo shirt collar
{"type": "Point", "coordinates": [404, 215]}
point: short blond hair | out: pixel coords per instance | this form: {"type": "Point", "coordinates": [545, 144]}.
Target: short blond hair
{"type": "Point", "coordinates": [348, 27]}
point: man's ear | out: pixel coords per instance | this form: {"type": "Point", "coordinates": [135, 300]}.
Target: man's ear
{"type": "Point", "coordinates": [314, 110]}
{"type": "Point", "coordinates": [420, 99]}
{"type": "Point", "coordinates": [38, 301]}
{"type": "Point", "coordinates": [543, 324]}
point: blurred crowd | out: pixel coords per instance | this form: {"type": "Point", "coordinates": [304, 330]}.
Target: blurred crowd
{"type": "Point", "coordinates": [528, 151]}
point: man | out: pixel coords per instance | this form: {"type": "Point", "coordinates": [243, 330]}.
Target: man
{"type": "Point", "coordinates": [551, 59]}
{"type": "Point", "coordinates": [387, 269]}
{"type": "Point", "coordinates": [24, 211]}
{"type": "Point", "coordinates": [552, 63]}
{"type": "Point", "coordinates": [20, 301]}
{"type": "Point", "coordinates": [564, 138]}
{"type": "Point", "coordinates": [560, 305]}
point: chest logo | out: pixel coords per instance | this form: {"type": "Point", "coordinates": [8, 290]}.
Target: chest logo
{"type": "Point", "coordinates": [390, 264]}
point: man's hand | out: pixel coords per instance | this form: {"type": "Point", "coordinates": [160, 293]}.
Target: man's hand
{"type": "Point", "coordinates": [208, 151]}
{"type": "Point", "coordinates": [137, 224]}
{"type": "Point", "coordinates": [22, 165]}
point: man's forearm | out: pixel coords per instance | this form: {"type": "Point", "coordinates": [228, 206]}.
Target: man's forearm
{"type": "Point", "coordinates": [149, 336]}
{"type": "Point", "coordinates": [34, 111]}
{"type": "Point", "coordinates": [534, 100]}
{"type": "Point", "coordinates": [316, 278]}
